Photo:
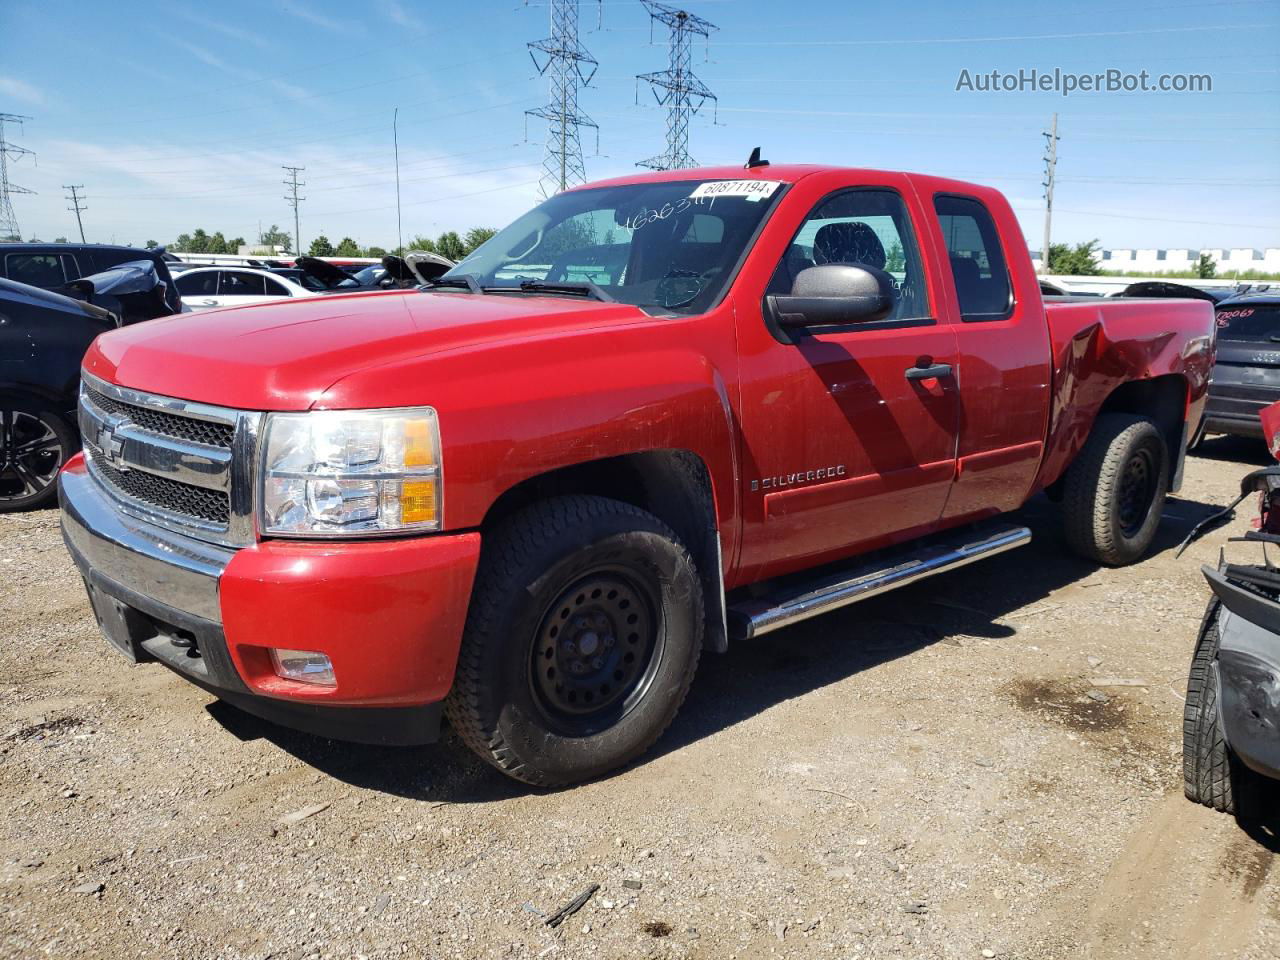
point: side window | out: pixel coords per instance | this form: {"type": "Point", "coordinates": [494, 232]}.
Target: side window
{"type": "Point", "coordinates": [36, 269]}
{"type": "Point", "coordinates": [866, 227]}
{"type": "Point", "coordinates": [198, 283]}
{"type": "Point", "coordinates": [235, 284]}
{"type": "Point", "coordinates": [977, 261]}
{"type": "Point", "coordinates": [275, 288]}
{"type": "Point", "coordinates": [70, 268]}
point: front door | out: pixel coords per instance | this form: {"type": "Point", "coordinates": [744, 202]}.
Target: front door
{"type": "Point", "coordinates": [847, 447]}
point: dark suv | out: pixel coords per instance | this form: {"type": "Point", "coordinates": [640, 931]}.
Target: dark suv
{"type": "Point", "coordinates": [52, 266]}
{"type": "Point", "coordinates": [1246, 377]}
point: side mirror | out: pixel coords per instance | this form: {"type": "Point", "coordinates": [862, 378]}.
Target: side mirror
{"type": "Point", "coordinates": [835, 293]}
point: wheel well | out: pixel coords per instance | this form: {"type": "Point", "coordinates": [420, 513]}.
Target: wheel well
{"type": "Point", "coordinates": [1163, 400]}
{"type": "Point", "coordinates": [53, 402]}
{"type": "Point", "coordinates": [673, 485]}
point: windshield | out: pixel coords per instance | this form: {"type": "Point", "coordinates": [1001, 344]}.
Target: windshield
{"type": "Point", "coordinates": [668, 247]}
{"type": "Point", "coordinates": [368, 276]}
{"type": "Point", "coordinates": [1245, 322]}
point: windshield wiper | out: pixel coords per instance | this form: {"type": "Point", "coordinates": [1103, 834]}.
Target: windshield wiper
{"type": "Point", "coordinates": [463, 281]}
{"type": "Point", "coordinates": [585, 287]}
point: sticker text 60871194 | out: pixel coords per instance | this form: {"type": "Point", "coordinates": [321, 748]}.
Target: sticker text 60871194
{"type": "Point", "coordinates": [751, 189]}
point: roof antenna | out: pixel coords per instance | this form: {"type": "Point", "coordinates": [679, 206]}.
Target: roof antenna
{"type": "Point", "coordinates": [754, 160]}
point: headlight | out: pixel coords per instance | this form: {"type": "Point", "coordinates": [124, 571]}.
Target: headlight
{"type": "Point", "coordinates": [351, 472]}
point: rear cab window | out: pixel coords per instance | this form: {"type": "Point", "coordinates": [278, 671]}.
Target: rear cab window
{"type": "Point", "coordinates": [975, 257]}
{"type": "Point", "coordinates": [1249, 322]}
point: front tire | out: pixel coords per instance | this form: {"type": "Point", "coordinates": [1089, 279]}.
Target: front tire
{"type": "Point", "coordinates": [581, 642]}
{"type": "Point", "coordinates": [1115, 490]}
{"type": "Point", "coordinates": [1211, 773]}
{"type": "Point", "coordinates": [34, 444]}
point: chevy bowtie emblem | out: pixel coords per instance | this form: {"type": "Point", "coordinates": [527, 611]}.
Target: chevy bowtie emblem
{"type": "Point", "coordinates": [112, 447]}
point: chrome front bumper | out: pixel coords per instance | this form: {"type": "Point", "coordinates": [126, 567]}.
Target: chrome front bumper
{"type": "Point", "coordinates": [145, 560]}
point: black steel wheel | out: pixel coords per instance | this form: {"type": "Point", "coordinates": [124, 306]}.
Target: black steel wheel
{"type": "Point", "coordinates": [597, 647]}
{"type": "Point", "coordinates": [34, 444]}
{"type": "Point", "coordinates": [582, 639]}
{"type": "Point", "coordinates": [1138, 479]}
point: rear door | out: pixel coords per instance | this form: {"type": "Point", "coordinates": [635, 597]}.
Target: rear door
{"type": "Point", "coordinates": [1004, 371]}
{"type": "Point", "coordinates": [240, 287]}
{"type": "Point", "coordinates": [199, 288]}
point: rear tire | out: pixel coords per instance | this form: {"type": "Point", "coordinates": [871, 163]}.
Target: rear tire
{"type": "Point", "coordinates": [582, 639]}
{"type": "Point", "coordinates": [34, 444]}
{"type": "Point", "coordinates": [1211, 773]}
{"type": "Point", "coordinates": [1115, 490]}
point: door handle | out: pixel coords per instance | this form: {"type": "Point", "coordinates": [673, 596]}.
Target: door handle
{"type": "Point", "coordinates": [931, 372]}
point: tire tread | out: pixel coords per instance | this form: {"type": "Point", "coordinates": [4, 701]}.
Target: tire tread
{"type": "Point", "coordinates": [515, 546]}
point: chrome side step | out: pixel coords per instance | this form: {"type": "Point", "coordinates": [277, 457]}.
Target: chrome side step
{"type": "Point", "coordinates": [755, 616]}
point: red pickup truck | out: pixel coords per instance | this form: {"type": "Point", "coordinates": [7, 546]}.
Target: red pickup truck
{"type": "Point", "coordinates": [651, 416]}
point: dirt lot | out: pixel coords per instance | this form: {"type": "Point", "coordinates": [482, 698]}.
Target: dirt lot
{"type": "Point", "coordinates": [921, 776]}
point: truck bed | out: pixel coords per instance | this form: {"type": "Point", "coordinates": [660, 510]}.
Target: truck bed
{"type": "Point", "coordinates": [1100, 343]}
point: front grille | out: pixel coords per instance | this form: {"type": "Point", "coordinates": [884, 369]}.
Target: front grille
{"type": "Point", "coordinates": [211, 506]}
{"type": "Point", "coordinates": [167, 424]}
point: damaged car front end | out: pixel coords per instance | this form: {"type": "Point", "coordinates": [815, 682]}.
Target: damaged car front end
{"type": "Point", "coordinates": [1231, 730]}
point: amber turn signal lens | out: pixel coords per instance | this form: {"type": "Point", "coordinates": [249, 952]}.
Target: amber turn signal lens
{"type": "Point", "coordinates": [419, 443]}
{"type": "Point", "coordinates": [418, 501]}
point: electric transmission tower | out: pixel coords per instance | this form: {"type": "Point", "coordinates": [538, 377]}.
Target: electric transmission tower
{"type": "Point", "coordinates": [567, 65]}
{"type": "Point", "coordinates": [8, 219]}
{"type": "Point", "coordinates": [1050, 175]}
{"type": "Point", "coordinates": [676, 88]}
{"type": "Point", "coordinates": [293, 184]}
{"type": "Point", "coordinates": [76, 205]}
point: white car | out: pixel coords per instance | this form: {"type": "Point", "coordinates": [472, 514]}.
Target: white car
{"type": "Point", "coordinates": [206, 287]}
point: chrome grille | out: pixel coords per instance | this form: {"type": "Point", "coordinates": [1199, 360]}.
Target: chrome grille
{"type": "Point", "coordinates": [174, 496]}
{"type": "Point", "coordinates": [167, 424]}
{"type": "Point", "coordinates": [181, 465]}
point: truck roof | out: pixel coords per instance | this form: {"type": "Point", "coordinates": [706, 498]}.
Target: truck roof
{"type": "Point", "coordinates": [785, 172]}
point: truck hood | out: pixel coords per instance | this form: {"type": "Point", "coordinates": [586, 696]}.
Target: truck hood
{"type": "Point", "coordinates": [283, 356]}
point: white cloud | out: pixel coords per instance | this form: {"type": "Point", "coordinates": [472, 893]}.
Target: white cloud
{"type": "Point", "coordinates": [19, 90]}
{"type": "Point", "coordinates": [303, 11]}
{"type": "Point", "coordinates": [150, 191]}
{"type": "Point", "coordinates": [226, 29]}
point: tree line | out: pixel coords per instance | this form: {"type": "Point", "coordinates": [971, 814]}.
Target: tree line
{"type": "Point", "coordinates": [449, 244]}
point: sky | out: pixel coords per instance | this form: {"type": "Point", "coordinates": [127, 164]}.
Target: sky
{"type": "Point", "coordinates": [180, 114]}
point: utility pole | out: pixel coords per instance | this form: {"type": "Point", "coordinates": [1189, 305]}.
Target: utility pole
{"type": "Point", "coordinates": [8, 219]}
{"type": "Point", "coordinates": [293, 198]}
{"type": "Point", "coordinates": [395, 138]}
{"type": "Point", "coordinates": [567, 65]}
{"type": "Point", "coordinates": [1050, 171]}
{"type": "Point", "coordinates": [75, 199]}
{"type": "Point", "coordinates": [676, 88]}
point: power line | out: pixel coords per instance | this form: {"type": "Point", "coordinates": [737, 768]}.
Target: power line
{"type": "Point", "coordinates": [912, 42]}
{"type": "Point", "coordinates": [75, 199]}
{"type": "Point", "coordinates": [567, 65]}
{"type": "Point", "coordinates": [8, 219]}
{"type": "Point", "coordinates": [676, 88]}
{"type": "Point", "coordinates": [294, 199]}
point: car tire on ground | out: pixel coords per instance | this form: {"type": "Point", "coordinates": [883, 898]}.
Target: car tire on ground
{"type": "Point", "coordinates": [1115, 490]}
{"type": "Point", "coordinates": [581, 642]}
{"type": "Point", "coordinates": [1211, 774]}
{"type": "Point", "coordinates": [34, 444]}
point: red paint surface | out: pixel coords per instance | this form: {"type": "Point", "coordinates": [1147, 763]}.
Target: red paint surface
{"type": "Point", "coordinates": [525, 385]}
{"type": "Point", "coordinates": [388, 614]}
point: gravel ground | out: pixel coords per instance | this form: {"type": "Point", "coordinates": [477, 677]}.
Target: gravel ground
{"type": "Point", "coordinates": [948, 771]}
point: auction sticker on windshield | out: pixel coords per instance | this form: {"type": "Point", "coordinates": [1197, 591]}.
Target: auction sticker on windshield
{"type": "Point", "coordinates": [751, 189]}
